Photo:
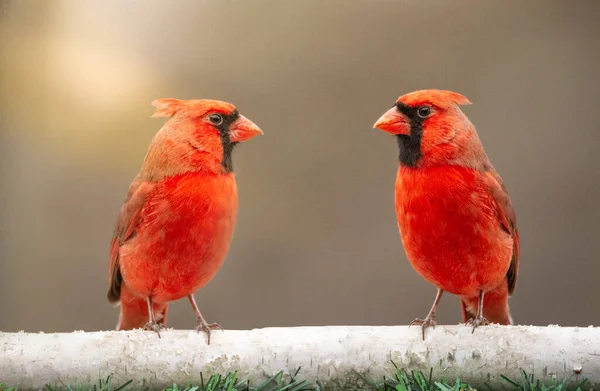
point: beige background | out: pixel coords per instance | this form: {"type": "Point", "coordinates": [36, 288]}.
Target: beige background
{"type": "Point", "coordinates": [316, 242]}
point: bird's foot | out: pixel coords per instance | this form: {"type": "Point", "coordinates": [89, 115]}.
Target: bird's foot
{"type": "Point", "coordinates": [476, 322]}
{"type": "Point", "coordinates": [429, 321]}
{"type": "Point", "coordinates": [154, 326]}
{"type": "Point", "coordinates": [202, 325]}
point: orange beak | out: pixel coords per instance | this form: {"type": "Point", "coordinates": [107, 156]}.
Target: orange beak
{"type": "Point", "coordinates": [393, 122]}
{"type": "Point", "coordinates": [243, 129]}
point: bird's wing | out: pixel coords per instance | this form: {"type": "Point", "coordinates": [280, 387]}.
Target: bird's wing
{"type": "Point", "coordinates": [127, 225]}
{"type": "Point", "coordinates": [508, 221]}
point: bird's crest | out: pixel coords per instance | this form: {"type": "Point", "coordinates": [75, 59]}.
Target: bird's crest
{"type": "Point", "coordinates": [167, 107]}
{"type": "Point", "coordinates": [441, 98]}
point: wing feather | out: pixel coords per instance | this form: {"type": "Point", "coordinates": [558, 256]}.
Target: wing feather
{"type": "Point", "coordinates": [127, 224]}
{"type": "Point", "coordinates": [508, 221]}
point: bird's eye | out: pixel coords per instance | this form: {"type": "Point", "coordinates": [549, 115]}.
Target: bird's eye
{"type": "Point", "coordinates": [424, 112]}
{"type": "Point", "coordinates": [216, 119]}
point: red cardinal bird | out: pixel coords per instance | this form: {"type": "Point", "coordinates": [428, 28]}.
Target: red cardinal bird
{"type": "Point", "coordinates": [456, 221]}
{"type": "Point", "coordinates": [174, 229]}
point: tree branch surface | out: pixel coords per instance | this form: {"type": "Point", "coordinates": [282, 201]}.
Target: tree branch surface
{"type": "Point", "coordinates": [328, 354]}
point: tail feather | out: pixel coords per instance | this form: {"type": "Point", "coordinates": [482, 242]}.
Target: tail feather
{"type": "Point", "coordinates": [134, 311]}
{"type": "Point", "coordinates": [495, 306]}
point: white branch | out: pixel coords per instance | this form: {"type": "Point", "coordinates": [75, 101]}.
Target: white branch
{"type": "Point", "coordinates": [325, 353]}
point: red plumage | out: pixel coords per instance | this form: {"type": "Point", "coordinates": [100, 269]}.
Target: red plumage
{"type": "Point", "coordinates": [175, 227]}
{"type": "Point", "coordinates": [456, 221]}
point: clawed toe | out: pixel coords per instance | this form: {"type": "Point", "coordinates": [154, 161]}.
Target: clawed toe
{"type": "Point", "coordinates": [476, 322]}
{"type": "Point", "coordinates": [429, 321]}
{"type": "Point", "coordinates": [207, 327]}
{"type": "Point", "coordinates": [153, 326]}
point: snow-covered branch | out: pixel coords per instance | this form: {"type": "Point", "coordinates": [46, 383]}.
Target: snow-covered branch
{"type": "Point", "coordinates": [326, 353]}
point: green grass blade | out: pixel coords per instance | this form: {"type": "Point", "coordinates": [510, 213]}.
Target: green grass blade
{"type": "Point", "coordinates": [123, 385]}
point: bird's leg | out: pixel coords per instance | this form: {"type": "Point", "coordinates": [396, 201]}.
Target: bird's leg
{"type": "Point", "coordinates": [201, 324]}
{"type": "Point", "coordinates": [430, 318]}
{"type": "Point", "coordinates": [478, 320]}
{"type": "Point", "coordinates": [152, 324]}
{"type": "Point", "coordinates": [163, 317]}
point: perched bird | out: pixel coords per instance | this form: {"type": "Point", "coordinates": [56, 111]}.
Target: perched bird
{"type": "Point", "coordinates": [456, 220]}
{"type": "Point", "coordinates": [174, 229]}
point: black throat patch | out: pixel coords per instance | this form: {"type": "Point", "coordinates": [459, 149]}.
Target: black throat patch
{"type": "Point", "coordinates": [226, 142]}
{"type": "Point", "coordinates": [410, 146]}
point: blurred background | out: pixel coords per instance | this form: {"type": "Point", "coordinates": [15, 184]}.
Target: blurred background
{"type": "Point", "coordinates": [316, 241]}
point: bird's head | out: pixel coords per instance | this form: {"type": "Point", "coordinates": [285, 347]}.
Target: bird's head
{"type": "Point", "coordinates": [211, 117]}
{"type": "Point", "coordinates": [200, 133]}
{"type": "Point", "coordinates": [426, 122]}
